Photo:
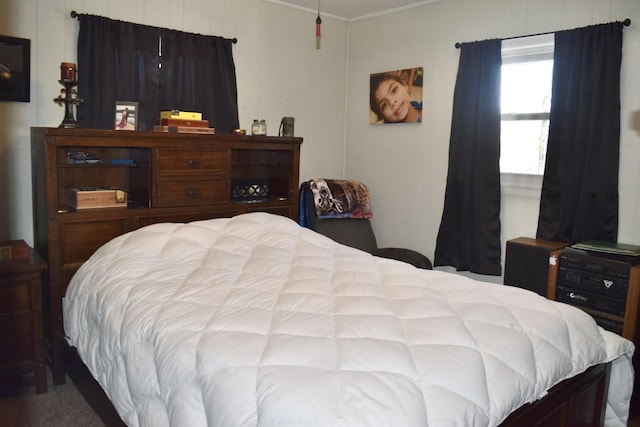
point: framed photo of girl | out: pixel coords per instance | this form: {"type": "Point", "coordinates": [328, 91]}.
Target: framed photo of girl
{"type": "Point", "coordinates": [126, 115]}
{"type": "Point", "coordinates": [396, 96]}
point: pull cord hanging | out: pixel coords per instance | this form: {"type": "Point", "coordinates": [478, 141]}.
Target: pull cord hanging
{"type": "Point", "coordinates": [318, 27]}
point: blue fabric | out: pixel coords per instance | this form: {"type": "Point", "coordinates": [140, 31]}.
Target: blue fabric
{"type": "Point", "coordinates": [418, 106]}
{"type": "Point", "coordinates": [305, 193]}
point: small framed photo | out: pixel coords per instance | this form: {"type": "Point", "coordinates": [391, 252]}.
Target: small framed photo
{"type": "Point", "coordinates": [15, 73]}
{"type": "Point", "coordinates": [126, 115]}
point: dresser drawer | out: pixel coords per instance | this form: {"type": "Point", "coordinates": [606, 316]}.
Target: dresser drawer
{"type": "Point", "coordinates": [179, 162]}
{"type": "Point", "coordinates": [190, 193]}
{"type": "Point", "coordinates": [15, 297]}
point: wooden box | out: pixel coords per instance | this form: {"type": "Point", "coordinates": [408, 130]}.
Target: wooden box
{"type": "Point", "coordinates": [80, 198]}
{"type": "Point", "coordinates": [14, 249]}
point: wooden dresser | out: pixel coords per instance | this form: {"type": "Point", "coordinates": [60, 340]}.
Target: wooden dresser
{"type": "Point", "coordinates": [167, 177]}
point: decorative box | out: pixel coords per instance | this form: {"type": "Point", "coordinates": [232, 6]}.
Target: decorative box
{"type": "Point", "coordinates": [92, 197]}
{"type": "Point", "coordinates": [14, 249]}
{"type": "Point", "coordinates": [249, 189]}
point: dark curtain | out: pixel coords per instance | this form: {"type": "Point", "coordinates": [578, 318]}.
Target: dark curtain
{"type": "Point", "coordinates": [579, 199]}
{"type": "Point", "coordinates": [199, 75]}
{"type": "Point", "coordinates": [469, 235]}
{"type": "Point", "coordinates": [117, 61]}
{"type": "Point", "coordinates": [160, 69]}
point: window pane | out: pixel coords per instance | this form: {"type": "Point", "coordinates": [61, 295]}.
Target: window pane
{"type": "Point", "coordinates": [526, 87]}
{"type": "Point", "coordinates": [523, 146]}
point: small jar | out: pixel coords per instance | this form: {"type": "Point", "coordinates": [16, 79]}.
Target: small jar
{"type": "Point", "coordinates": [259, 127]}
{"type": "Point", "coordinates": [255, 127]}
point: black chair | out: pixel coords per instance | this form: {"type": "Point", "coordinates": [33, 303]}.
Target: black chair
{"type": "Point", "coordinates": [354, 232]}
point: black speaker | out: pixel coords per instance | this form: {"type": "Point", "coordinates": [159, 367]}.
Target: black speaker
{"type": "Point", "coordinates": [527, 263]}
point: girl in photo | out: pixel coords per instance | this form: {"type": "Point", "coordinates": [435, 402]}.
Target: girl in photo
{"type": "Point", "coordinates": [390, 98]}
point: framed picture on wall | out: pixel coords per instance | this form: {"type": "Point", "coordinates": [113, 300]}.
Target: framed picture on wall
{"type": "Point", "coordinates": [15, 69]}
{"type": "Point", "coordinates": [396, 96]}
{"type": "Point", "coordinates": [126, 114]}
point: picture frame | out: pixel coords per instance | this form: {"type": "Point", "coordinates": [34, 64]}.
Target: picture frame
{"type": "Point", "coordinates": [396, 96]}
{"type": "Point", "coordinates": [126, 115]}
{"type": "Point", "coordinates": [15, 69]}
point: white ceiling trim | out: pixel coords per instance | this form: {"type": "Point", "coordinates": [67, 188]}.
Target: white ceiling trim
{"type": "Point", "coordinates": [365, 14]}
{"type": "Point", "coordinates": [305, 9]}
{"type": "Point", "coordinates": [395, 9]}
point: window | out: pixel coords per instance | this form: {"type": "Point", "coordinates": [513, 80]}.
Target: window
{"type": "Point", "coordinates": [527, 68]}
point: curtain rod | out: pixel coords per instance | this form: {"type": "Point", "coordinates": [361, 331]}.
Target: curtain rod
{"type": "Point", "coordinates": [626, 23]}
{"type": "Point", "coordinates": [75, 14]}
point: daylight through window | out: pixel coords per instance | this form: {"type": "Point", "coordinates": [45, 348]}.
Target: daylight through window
{"type": "Point", "coordinates": [527, 69]}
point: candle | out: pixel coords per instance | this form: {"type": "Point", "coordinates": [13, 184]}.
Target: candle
{"type": "Point", "coordinates": [68, 71]}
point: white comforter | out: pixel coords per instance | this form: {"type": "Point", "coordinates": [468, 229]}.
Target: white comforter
{"type": "Point", "coordinates": [254, 320]}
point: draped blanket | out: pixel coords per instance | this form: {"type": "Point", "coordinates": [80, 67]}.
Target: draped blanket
{"type": "Point", "coordinates": [336, 198]}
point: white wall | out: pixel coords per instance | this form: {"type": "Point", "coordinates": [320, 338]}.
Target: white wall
{"type": "Point", "coordinates": [406, 165]}
{"type": "Point", "coordinates": [279, 70]}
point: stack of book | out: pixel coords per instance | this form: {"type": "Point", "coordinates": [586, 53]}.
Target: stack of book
{"type": "Point", "coordinates": [182, 122]}
{"type": "Point", "coordinates": [83, 158]}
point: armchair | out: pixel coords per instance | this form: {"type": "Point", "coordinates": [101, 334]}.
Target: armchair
{"type": "Point", "coordinates": [349, 230]}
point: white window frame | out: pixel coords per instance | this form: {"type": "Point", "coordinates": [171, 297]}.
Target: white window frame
{"type": "Point", "coordinates": [524, 49]}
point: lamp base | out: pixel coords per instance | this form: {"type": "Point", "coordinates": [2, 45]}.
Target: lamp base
{"type": "Point", "coordinates": [69, 124]}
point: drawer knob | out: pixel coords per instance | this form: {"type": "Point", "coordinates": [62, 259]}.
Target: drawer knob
{"type": "Point", "coordinates": [194, 193]}
{"type": "Point", "coordinates": [194, 163]}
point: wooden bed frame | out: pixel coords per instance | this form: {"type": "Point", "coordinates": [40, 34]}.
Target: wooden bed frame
{"type": "Point", "coordinates": [578, 401]}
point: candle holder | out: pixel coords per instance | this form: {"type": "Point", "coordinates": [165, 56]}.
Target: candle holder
{"type": "Point", "coordinates": [69, 97]}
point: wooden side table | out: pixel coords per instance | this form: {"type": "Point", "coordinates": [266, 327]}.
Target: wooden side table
{"type": "Point", "coordinates": [21, 330]}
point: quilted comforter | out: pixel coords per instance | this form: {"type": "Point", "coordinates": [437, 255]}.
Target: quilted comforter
{"type": "Point", "coordinates": [255, 321]}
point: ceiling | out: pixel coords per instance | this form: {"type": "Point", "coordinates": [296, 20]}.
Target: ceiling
{"type": "Point", "coordinates": [352, 9]}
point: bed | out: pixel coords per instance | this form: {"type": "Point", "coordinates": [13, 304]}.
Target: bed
{"type": "Point", "coordinates": [256, 321]}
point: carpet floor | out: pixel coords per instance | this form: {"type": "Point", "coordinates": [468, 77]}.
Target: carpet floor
{"type": "Point", "coordinates": [61, 405]}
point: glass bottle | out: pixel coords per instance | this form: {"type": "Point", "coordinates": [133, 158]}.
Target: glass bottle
{"type": "Point", "coordinates": [263, 127]}
{"type": "Point", "coordinates": [255, 127]}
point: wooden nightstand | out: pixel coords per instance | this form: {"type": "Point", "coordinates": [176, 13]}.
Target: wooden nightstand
{"type": "Point", "coordinates": [21, 336]}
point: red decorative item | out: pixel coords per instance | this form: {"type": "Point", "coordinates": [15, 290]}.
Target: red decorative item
{"type": "Point", "coordinates": [68, 71]}
{"type": "Point", "coordinates": [318, 24]}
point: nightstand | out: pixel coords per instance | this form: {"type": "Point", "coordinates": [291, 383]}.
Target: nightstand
{"type": "Point", "coordinates": [21, 335]}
